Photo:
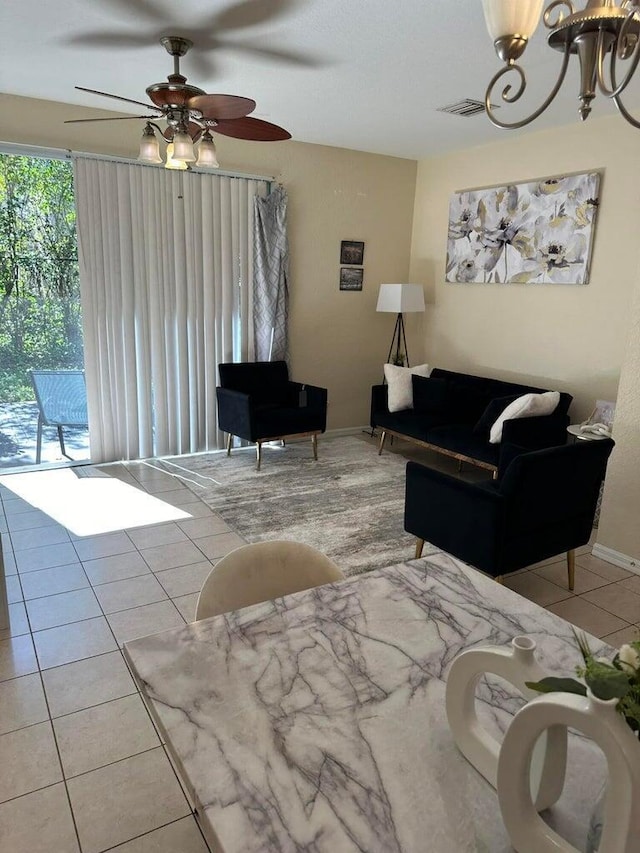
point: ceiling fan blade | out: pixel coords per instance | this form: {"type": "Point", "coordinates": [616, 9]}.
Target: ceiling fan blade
{"type": "Point", "coordinates": [222, 106]}
{"type": "Point", "coordinates": [115, 118]}
{"type": "Point", "coordinates": [204, 66]}
{"type": "Point", "coordinates": [251, 128]}
{"type": "Point", "coordinates": [146, 8]}
{"type": "Point", "coordinates": [248, 13]}
{"type": "Point", "coordinates": [289, 56]}
{"type": "Point", "coordinates": [118, 98]}
{"type": "Point", "coordinates": [113, 39]}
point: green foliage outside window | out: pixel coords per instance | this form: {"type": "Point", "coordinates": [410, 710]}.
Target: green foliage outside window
{"type": "Point", "coordinates": [40, 316]}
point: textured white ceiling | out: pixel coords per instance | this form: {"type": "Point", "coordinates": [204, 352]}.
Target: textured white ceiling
{"type": "Point", "coordinates": [378, 69]}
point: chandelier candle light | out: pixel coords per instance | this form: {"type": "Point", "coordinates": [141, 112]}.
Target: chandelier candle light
{"type": "Point", "coordinates": [603, 29]}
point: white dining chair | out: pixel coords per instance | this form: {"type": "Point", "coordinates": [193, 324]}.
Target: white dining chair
{"type": "Point", "coordinates": [261, 572]}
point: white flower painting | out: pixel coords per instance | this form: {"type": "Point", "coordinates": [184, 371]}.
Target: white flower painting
{"type": "Point", "coordinates": [534, 233]}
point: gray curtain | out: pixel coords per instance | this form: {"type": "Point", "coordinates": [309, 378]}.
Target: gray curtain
{"type": "Point", "coordinates": [271, 277]}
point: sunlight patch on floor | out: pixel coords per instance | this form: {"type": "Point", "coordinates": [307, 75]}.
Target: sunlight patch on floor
{"type": "Point", "coordinates": [90, 505]}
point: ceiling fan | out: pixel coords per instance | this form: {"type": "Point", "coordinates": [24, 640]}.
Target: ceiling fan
{"type": "Point", "coordinates": [191, 115]}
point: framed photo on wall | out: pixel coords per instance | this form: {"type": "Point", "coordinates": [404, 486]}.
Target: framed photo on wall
{"type": "Point", "coordinates": [351, 278]}
{"type": "Point", "coordinates": [351, 252]}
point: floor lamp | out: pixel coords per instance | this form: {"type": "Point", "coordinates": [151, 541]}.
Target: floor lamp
{"type": "Point", "coordinates": [400, 299]}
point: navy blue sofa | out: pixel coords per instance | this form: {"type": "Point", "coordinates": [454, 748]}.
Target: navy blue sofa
{"type": "Point", "coordinates": [453, 413]}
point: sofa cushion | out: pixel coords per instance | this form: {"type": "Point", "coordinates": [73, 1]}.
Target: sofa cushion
{"type": "Point", "coordinates": [466, 401]}
{"type": "Point", "coordinates": [400, 394]}
{"type": "Point", "coordinates": [409, 423]}
{"type": "Point", "coordinates": [460, 438]}
{"type": "Point", "coordinates": [288, 421]}
{"type": "Point", "coordinates": [429, 395]}
{"type": "Point", "coordinates": [491, 413]}
{"type": "Point", "coordinates": [526, 406]}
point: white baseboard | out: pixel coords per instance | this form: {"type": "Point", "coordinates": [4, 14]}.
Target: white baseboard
{"type": "Point", "coordinates": [618, 559]}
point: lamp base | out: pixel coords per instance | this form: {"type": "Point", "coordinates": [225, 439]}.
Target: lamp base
{"type": "Point", "coordinates": [399, 340]}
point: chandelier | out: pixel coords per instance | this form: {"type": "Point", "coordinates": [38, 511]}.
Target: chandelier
{"type": "Point", "coordinates": [603, 28]}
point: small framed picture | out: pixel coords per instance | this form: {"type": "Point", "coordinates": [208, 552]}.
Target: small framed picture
{"type": "Point", "coordinates": [351, 252]}
{"type": "Point", "coordinates": [351, 278]}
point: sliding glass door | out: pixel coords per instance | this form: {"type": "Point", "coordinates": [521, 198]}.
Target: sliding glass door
{"type": "Point", "coordinates": [40, 316]}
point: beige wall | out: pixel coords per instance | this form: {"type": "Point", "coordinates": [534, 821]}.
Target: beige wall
{"type": "Point", "coordinates": [337, 339]}
{"type": "Point", "coordinates": [620, 517]}
{"type": "Point", "coordinates": [558, 336]}
{"type": "Point", "coordinates": [575, 338]}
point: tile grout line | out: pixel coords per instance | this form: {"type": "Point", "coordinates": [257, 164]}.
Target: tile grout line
{"type": "Point", "coordinates": [55, 737]}
{"type": "Point", "coordinates": [143, 834]}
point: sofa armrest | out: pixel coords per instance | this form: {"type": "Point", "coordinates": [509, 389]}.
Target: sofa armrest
{"type": "Point", "coordinates": [379, 401]}
{"type": "Point", "coordinates": [316, 397]}
{"type": "Point", "coordinates": [235, 413]}
{"type": "Point", "coordinates": [465, 519]}
{"type": "Point", "coordinates": [537, 432]}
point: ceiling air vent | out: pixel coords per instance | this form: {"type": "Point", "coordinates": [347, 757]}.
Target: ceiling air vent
{"type": "Point", "coordinates": [466, 108]}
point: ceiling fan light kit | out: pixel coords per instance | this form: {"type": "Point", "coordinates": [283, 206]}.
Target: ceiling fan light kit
{"type": "Point", "coordinates": [149, 147]}
{"type": "Point", "coordinates": [191, 116]}
{"type": "Point", "coordinates": [172, 163]}
{"type": "Point", "coordinates": [605, 30]}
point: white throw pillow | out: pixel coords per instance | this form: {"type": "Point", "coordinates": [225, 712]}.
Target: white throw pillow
{"type": "Point", "coordinates": [400, 395]}
{"type": "Point", "coordinates": [526, 406]}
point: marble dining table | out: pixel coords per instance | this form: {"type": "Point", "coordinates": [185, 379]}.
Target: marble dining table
{"type": "Point", "coordinates": [316, 722]}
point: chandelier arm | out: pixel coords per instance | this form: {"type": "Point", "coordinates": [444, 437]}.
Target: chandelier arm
{"type": "Point", "coordinates": [615, 54]}
{"type": "Point", "coordinates": [624, 112]}
{"type": "Point", "coordinates": [552, 24]}
{"type": "Point", "coordinates": [510, 99]}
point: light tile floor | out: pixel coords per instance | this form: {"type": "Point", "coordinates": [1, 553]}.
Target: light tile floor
{"type": "Point", "coordinates": [82, 769]}
{"type": "Point", "coordinates": [82, 766]}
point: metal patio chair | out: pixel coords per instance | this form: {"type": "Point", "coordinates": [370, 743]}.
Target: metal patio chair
{"type": "Point", "coordinates": [62, 401]}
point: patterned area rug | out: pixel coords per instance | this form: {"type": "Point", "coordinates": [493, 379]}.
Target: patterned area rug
{"type": "Point", "coordinates": [349, 504]}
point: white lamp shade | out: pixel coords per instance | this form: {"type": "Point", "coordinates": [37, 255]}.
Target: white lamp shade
{"type": "Point", "coordinates": [512, 17]}
{"type": "Point", "coordinates": [400, 298]}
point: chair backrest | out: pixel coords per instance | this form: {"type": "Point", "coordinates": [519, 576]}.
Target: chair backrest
{"type": "Point", "coordinates": [254, 377]}
{"type": "Point", "coordinates": [61, 396]}
{"type": "Point", "coordinates": [546, 486]}
{"type": "Point", "coordinates": [261, 572]}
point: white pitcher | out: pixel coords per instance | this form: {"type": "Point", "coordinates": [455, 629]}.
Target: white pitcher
{"type": "Point", "coordinates": [599, 720]}
{"type": "Point", "coordinates": [515, 664]}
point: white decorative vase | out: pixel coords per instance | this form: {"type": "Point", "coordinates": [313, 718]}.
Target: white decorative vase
{"type": "Point", "coordinates": [600, 721]}
{"type": "Point", "coordinates": [515, 664]}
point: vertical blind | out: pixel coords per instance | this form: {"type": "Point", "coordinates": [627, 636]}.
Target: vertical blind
{"type": "Point", "coordinates": [165, 272]}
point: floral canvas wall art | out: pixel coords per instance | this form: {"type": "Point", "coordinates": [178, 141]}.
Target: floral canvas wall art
{"type": "Point", "coordinates": [531, 233]}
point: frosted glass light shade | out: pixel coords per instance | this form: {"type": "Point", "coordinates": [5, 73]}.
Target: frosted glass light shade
{"type": "Point", "coordinates": [183, 147]}
{"type": "Point", "coordinates": [400, 298]}
{"type": "Point", "coordinates": [512, 17]}
{"type": "Point", "coordinates": [207, 153]}
{"type": "Point", "coordinates": [174, 164]}
{"type": "Point", "coordinates": [149, 148]}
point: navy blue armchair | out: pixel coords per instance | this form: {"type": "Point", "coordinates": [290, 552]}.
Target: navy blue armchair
{"type": "Point", "coordinates": [258, 402]}
{"type": "Point", "coordinates": [543, 503]}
